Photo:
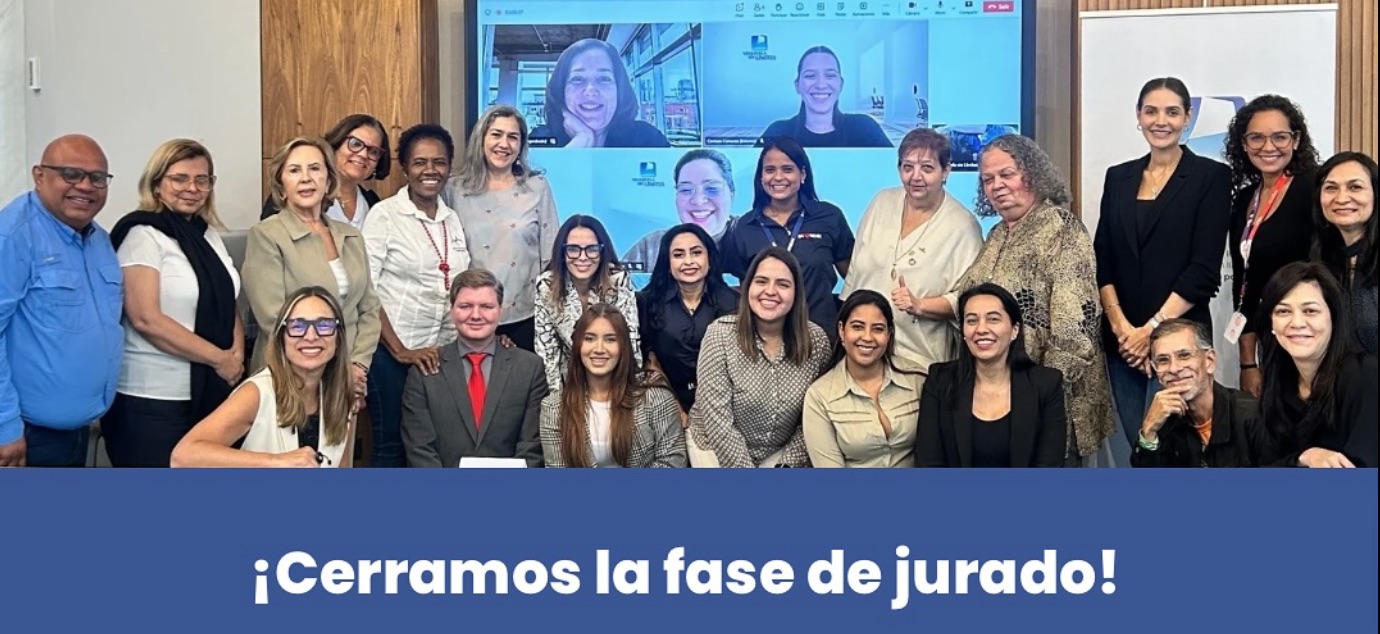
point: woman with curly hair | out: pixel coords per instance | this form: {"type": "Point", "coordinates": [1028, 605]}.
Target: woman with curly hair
{"type": "Point", "coordinates": [1272, 176]}
{"type": "Point", "coordinates": [1043, 255]}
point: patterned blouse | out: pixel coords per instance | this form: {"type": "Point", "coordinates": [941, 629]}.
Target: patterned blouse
{"type": "Point", "coordinates": [747, 409]}
{"type": "Point", "coordinates": [556, 325]}
{"type": "Point", "coordinates": [1047, 263]}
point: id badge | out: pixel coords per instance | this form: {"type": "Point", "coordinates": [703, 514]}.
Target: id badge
{"type": "Point", "coordinates": [1246, 250]}
{"type": "Point", "coordinates": [1234, 328]}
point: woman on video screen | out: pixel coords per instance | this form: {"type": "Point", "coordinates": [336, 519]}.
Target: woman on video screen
{"type": "Point", "coordinates": [590, 101]}
{"type": "Point", "coordinates": [704, 197]}
{"type": "Point", "coordinates": [820, 123]}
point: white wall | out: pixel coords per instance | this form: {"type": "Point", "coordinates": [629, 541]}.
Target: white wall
{"type": "Point", "coordinates": [13, 175]}
{"type": "Point", "coordinates": [135, 73]}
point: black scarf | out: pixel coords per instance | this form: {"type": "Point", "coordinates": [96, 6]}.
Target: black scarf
{"type": "Point", "coordinates": [215, 304]}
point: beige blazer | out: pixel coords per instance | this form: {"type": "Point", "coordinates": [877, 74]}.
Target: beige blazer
{"type": "Point", "coordinates": [283, 255]}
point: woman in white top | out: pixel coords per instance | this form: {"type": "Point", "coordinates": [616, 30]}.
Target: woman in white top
{"type": "Point", "coordinates": [296, 411]}
{"type": "Point", "coordinates": [415, 246]}
{"type": "Point", "coordinates": [916, 241]}
{"type": "Point", "coordinates": [302, 247]}
{"type": "Point", "coordinates": [508, 213]}
{"type": "Point", "coordinates": [608, 415]}
{"type": "Point", "coordinates": [184, 340]}
{"type": "Point", "coordinates": [584, 271]}
{"type": "Point", "coordinates": [865, 411]}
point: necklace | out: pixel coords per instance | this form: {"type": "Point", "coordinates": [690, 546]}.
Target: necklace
{"type": "Point", "coordinates": [1156, 187]}
{"type": "Point", "coordinates": [441, 254]}
{"type": "Point", "coordinates": [914, 243]}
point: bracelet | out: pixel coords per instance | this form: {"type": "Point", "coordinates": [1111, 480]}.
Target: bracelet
{"type": "Point", "coordinates": [1147, 445]}
{"type": "Point", "coordinates": [1249, 366]}
{"type": "Point", "coordinates": [361, 368]}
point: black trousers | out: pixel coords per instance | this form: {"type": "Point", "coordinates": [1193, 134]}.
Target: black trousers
{"type": "Point", "coordinates": [142, 432]}
{"type": "Point", "coordinates": [522, 333]}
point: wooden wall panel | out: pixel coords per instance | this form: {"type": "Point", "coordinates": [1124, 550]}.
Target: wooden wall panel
{"type": "Point", "coordinates": [1056, 85]}
{"type": "Point", "coordinates": [1356, 113]}
{"type": "Point", "coordinates": [325, 59]}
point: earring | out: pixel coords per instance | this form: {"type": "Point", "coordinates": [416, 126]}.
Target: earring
{"type": "Point", "coordinates": [1140, 127]}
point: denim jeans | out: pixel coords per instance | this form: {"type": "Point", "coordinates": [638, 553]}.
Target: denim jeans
{"type": "Point", "coordinates": [56, 447]}
{"type": "Point", "coordinates": [387, 378]}
{"type": "Point", "coordinates": [1131, 393]}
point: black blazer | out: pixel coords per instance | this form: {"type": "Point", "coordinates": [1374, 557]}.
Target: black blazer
{"type": "Point", "coordinates": [370, 198]}
{"type": "Point", "coordinates": [438, 421]}
{"type": "Point", "coordinates": [1180, 248]}
{"type": "Point", "coordinates": [1039, 424]}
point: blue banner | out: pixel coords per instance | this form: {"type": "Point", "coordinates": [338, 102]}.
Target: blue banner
{"type": "Point", "coordinates": [688, 551]}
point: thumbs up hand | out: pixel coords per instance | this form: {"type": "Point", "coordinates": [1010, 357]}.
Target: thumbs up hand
{"type": "Point", "coordinates": [902, 298]}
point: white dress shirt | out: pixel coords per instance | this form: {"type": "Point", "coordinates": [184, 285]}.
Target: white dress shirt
{"type": "Point", "coordinates": [405, 250]}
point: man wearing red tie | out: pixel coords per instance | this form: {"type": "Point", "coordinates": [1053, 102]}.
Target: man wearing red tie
{"type": "Point", "coordinates": [486, 400]}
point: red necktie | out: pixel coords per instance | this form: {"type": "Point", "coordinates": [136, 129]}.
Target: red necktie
{"type": "Point", "coordinates": [477, 385]}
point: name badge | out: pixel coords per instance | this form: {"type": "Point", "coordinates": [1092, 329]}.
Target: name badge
{"type": "Point", "coordinates": [1234, 328]}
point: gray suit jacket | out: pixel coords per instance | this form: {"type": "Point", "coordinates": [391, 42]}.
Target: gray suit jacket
{"type": "Point", "coordinates": [658, 438]}
{"type": "Point", "coordinates": [438, 422]}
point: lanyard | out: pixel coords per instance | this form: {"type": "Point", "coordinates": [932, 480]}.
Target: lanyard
{"type": "Point", "coordinates": [1252, 226]}
{"type": "Point", "coordinates": [795, 231]}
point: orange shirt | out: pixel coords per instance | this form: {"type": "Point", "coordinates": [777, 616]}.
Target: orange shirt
{"type": "Point", "coordinates": [1204, 430]}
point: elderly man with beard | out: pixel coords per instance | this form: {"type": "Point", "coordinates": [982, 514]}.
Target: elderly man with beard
{"type": "Point", "coordinates": [1193, 421]}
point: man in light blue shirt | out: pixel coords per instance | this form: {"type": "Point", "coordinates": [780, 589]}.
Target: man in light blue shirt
{"type": "Point", "coordinates": [60, 305]}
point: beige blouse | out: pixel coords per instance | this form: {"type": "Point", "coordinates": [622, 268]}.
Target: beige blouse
{"type": "Point", "coordinates": [1047, 263]}
{"type": "Point", "coordinates": [931, 258]}
{"type": "Point", "coordinates": [843, 428]}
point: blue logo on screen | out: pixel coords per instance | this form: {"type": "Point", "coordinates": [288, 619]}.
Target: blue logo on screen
{"type": "Point", "coordinates": [757, 49]}
{"type": "Point", "coordinates": [646, 175]}
{"type": "Point", "coordinates": [1206, 132]}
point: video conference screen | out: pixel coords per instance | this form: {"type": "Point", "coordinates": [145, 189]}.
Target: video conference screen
{"type": "Point", "coordinates": [648, 113]}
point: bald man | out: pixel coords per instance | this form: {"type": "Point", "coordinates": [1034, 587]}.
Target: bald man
{"type": "Point", "coordinates": [60, 303]}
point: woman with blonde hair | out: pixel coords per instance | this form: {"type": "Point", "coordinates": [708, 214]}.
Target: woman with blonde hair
{"type": "Point", "coordinates": [304, 248]}
{"type": "Point", "coordinates": [508, 215]}
{"type": "Point", "coordinates": [184, 340]}
{"type": "Point", "coordinates": [296, 411]}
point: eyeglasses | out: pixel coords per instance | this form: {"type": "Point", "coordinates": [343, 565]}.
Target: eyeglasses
{"type": "Point", "coordinates": [1256, 140]}
{"type": "Point", "coordinates": [324, 327]}
{"type": "Point", "coordinates": [75, 176]}
{"type": "Point", "coordinates": [591, 251]}
{"type": "Point", "coordinates": [712, 189]}
{"type": "Point", "coordinates": [184, 181]}
{"type": "Point", "coordinates": [355, 145]}
{"type": "Point", "coordinates": [1161, 362]}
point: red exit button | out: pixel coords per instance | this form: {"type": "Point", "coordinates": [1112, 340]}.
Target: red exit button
{"type": "Point", "coordinates": [998, 7]}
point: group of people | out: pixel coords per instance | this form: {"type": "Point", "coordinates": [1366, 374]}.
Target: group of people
{"type": "Point", "coordinates": [470, 323]}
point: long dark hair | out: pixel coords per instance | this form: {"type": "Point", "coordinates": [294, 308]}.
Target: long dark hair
{"type": "Point", "coordinates": [795, 333]}
{"type": "Point", "coordinates": [865, 297]}
{"type": "Point", "coordinates": [1328, 245]}
{"type": "Point", "coordinates": [1281, 374]}
{"type": "Point", "coordinates": [625, 110]}
{"type": "Point", "coordinates": [1244, 174]}
{"type": "Point", "coordinates": [800, 129]}
{"type": "Point", "coordinates": [625, 392]}
{"type": "Point", "coordinates": [794, 151]}
{"type": "Point", "coordinates": [663, 282]}
{"type": "Point", "coordinates": [608, 258]}
{"type": "Point", "coordinates": [1016, 356]}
